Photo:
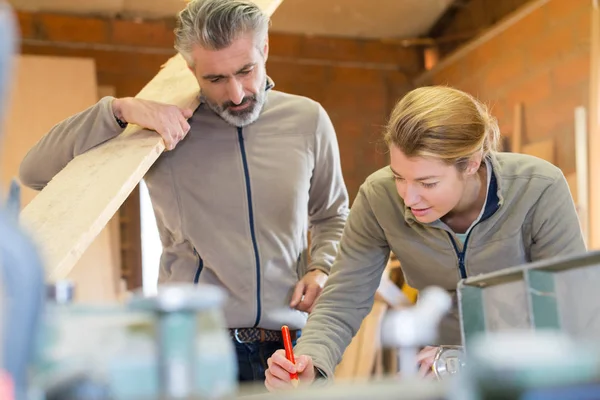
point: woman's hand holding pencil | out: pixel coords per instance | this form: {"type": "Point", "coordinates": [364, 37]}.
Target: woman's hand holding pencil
{"type": "Point", "coordinates": [285, 370]}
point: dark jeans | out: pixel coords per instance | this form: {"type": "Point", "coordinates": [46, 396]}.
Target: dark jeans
{"type": "Point", "coordinates": [252, 359]}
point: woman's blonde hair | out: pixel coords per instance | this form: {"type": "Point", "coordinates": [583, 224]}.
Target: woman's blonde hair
{"type": "Point", "coordinates": [444, 123]}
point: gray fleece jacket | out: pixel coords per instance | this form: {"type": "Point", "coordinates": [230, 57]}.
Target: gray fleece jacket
{"type": "Point", "coordinates": [233, 205]}
{"type": "Point", "coordinates": [529, 216]}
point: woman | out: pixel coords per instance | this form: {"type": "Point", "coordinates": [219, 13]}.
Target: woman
{"type": "Point", "coordinates": [449, 206]}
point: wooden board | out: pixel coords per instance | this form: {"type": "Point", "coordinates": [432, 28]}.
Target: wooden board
{"type": "Point", "coordinates": [361, 357]}
{"type": "Point", "coordinates": [46, 90]}
{"type": "Point", "coordinates": [74, 207]}
{"type": "Point", "coordinates": [581, 161]}
{"type": "Point", "coordinates": [517, 135]}
{"type": "Point", "coordinates": [594, 131]}
{"type": "Point", "coordinates": [572, 182]}
{"type": "Point", "coordinates": [544, 149]}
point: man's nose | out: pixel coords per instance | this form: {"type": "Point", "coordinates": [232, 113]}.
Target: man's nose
{"type": "Point", "coordinates": [236, 91]}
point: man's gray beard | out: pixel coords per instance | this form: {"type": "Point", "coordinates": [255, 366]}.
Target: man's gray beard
{"type": "Point", "coordinates": [243, 117]}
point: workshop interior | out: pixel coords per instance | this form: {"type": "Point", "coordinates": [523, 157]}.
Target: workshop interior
{"type": "Point", "coordinates": [83, 315]}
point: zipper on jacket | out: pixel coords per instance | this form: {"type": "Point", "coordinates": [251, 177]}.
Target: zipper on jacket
{"type": "Point", "coordinates": [200, 267]}
{"type": "Point", "coordinates": [460, 255]}
{"type": "Point", "coordinates": [251, 220]}
{"type": "Point", "coordinates": [491, 206]}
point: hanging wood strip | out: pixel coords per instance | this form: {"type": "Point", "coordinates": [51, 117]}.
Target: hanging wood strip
{"type": "Point", "coordinates": [594, 132]}
{"type": "Point", "coordinates": [517, 135]}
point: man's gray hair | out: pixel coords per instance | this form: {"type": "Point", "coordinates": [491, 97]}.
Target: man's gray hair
{"type": "Point", "coordinates": [215, 24]}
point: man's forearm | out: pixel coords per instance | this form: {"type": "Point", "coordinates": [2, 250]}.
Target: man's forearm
{"type": "Point", "coordinates": [325, 239]}
{"type": "Point", "coordinates": [66, 140]}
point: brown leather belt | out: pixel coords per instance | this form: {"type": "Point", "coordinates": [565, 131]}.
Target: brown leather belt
{"type": "Point", "coordinates": [258, 335]}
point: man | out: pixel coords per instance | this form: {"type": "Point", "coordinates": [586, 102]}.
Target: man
{"type": "Point", "coordinates": [254, 170]}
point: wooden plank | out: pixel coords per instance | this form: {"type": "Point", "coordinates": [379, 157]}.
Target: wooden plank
{"type": "Point", "coordinates": [97, 274]}
{"type": "Point", "coordinates": [594, 131]}
{"type": "Point", "coordinates": [572, 182]}
{"type": "Point", "coordinates": [581, 161]}
{"type": "Point", "coordinates": [517, 135]}
{"type": "Point", "coordinates": [358, 360]}
{"type": "Point", "coordinates": [371, 341]}
{"type": "Point", "coordinates": [390, 294]}
{"type": "Point", "coordinates": [113, 227]}
{"type": "Point", "coordinates": [73, 208]}
{"type": "Point", "coordinates": [360, 357]}
{"type": "Point", "coordinates": [544, 149]}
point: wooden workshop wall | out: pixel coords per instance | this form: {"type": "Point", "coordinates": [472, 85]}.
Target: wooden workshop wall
{"type": "Point", "coordinates": [357, 81]}
{"type": "Point", "coordinates": [45, 91]}
{"type": "Point", "coordinates": [541, 61]}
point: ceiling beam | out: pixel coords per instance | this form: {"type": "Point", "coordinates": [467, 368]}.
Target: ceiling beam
{"type": "Point", "coordinates": [441, 25]}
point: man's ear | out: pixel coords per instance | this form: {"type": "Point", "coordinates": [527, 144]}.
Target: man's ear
{"type": "Point", "coordinates": [266, 48]}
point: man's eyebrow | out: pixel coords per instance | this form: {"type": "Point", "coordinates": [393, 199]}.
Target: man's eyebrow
{"type": "Point", "coordinates": [220, 76]}
{"type": "Point", "coordinates": [423, 178]}
{"type": "Point", "coordinates": [212, 76]}
{"type": "Point", "coordinates": [245, 67]}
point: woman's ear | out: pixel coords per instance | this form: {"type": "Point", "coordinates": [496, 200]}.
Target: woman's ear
{"type": "Point", "coordinates": [474, 163]}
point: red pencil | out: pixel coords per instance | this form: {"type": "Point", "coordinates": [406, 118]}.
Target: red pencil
{"type": "Point", "coordinates": [289, 352]}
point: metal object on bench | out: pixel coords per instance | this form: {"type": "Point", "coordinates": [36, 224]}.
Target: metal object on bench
{"type": "Point", "coordinates": [410, 328]}
{"type": "Point", "coordinates": [191, 341]}
{"type": "Point", "coordinates": [535, 364]}
{"type": "Point", "coordinates": [448, 361]}
{"type": "Point", "coordinates": [558, 293]}
{"type": "Point", "coordinates": [60, 292]}
{"type": "Point", "coordinates": [173, 345]}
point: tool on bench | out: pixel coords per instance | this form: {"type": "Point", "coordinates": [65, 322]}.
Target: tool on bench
{"type": "Point", "coordinates": [409, 329]}
{"type": "Point", "coordinates": [169, 346]}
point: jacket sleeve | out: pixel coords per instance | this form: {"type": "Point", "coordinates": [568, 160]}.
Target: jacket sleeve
{"type": "Point", "coordinates": [66, 140]}
{"type": "Point", "coordinates": [328, 196]}
{"type": "Point", "coordinates": [349, 293]}
{"type": "Point", "coordinates": [555, 226]}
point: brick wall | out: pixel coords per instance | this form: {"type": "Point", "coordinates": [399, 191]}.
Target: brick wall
{"type": "Point", "coordinates": [357, 81]}
{"type": "Point", "coordinates": [542, 61]}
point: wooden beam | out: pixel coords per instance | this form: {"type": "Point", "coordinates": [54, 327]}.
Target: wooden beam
{"type": "Point", "coordinates": [494, 31]}
{"type": "Point", "coordinates": [544, 149]}
{"type": "Point", "coordinates": [445, 20]}
{"type": "Point", "coordinates": [581, 162]}
{"type": "Point", "coordinates": [78, 202]}
{"type": "Point", "coordinates": [517, 135]}
{"type": "Point", "coordinates": [594, 131]}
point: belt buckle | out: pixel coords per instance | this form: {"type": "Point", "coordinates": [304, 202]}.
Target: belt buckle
{"type": "Point", "coordinates": [237, 337]}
